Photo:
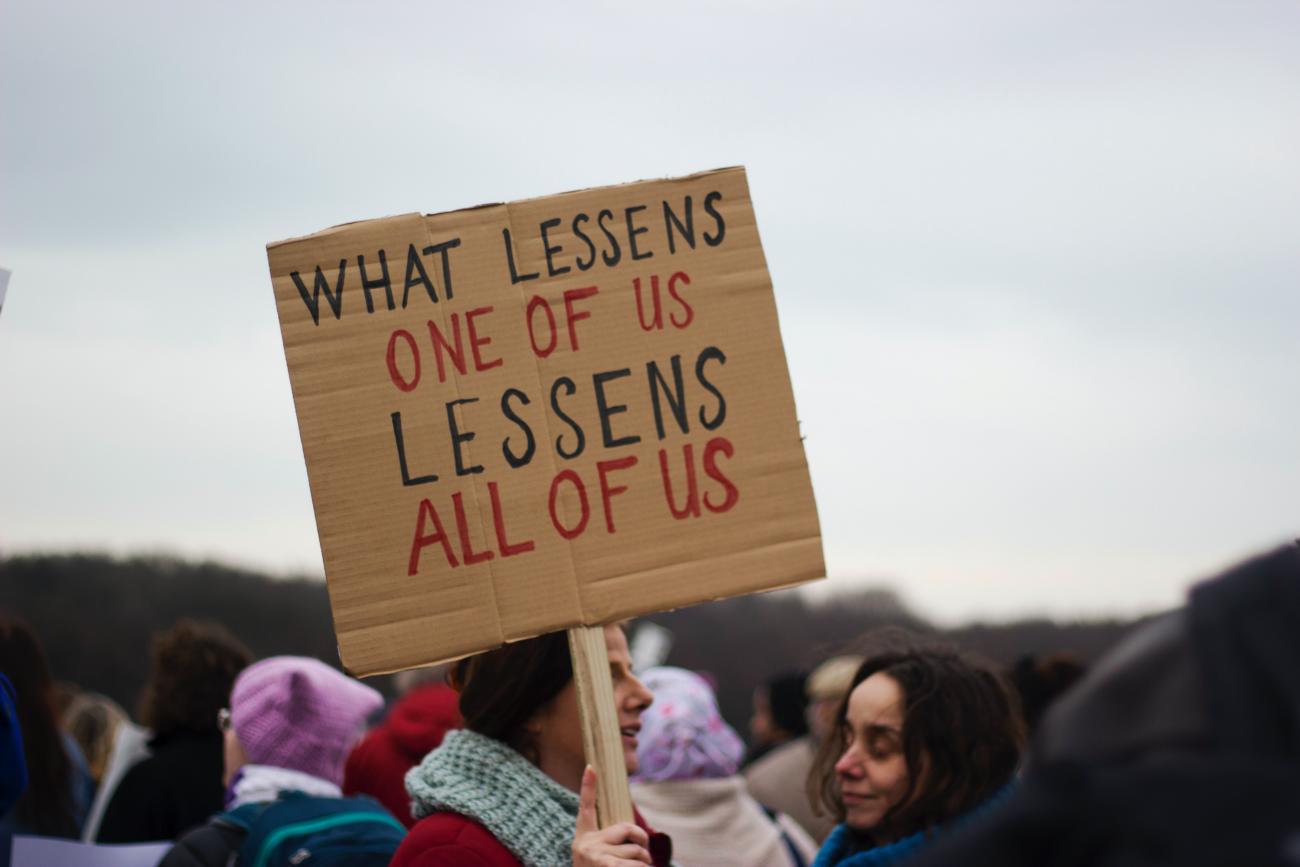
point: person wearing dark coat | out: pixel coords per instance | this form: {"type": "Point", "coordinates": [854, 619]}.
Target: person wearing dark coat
{"type": "Point", "coordinates": [179, 785]}
{"type": "Point", "coordinates": [1180, 747]}
{"type": "Point", "coordinates": [780, 708]}
{"type": "Point", "coordinates": [417, 724]}
{"type": "Point", "coordinates": [53, 795]}
{"type": "Point", "coordinates": [13, 765]}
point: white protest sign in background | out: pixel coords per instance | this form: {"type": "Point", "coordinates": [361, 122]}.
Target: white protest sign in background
{"type": "Point", "coordinates": [49, 852]}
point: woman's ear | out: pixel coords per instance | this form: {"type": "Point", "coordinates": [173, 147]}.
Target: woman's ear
{"type": "Point", "coordinates": [526, 740]}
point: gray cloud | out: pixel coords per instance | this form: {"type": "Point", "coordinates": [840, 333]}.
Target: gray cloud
{"type": "Point", "coordinates": [1035, 263]}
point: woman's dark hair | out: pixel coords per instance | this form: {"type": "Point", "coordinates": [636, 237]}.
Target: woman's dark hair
{"type": "Point", "coordinates": [502, 689]}
{"type": "Point", "coordinates": [962, 736]}
{"type": "Point", "coordinates": [193, 668]}
{"type": "Point", "coordinates": [48, 806]}
{"type": "Point", "coordinates": [1039, 681]}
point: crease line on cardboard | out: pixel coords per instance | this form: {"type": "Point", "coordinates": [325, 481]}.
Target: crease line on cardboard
{"type": "Point", "coordinates": [473, 487]}
{"type": "Point", "coordinates": [546, 421]}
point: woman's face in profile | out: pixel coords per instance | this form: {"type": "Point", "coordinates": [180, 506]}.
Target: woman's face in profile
{"type": "Point", "coordinates": [558, 727]}
{"type": "Point", "coordinates": [872, 772]}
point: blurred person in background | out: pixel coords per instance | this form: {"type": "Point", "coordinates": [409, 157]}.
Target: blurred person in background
{"type": "Point", "coordinates": [1040, 681]}
{"type": "Point", "coordinates": [1179, 748]}
{"type": "Point", "coordinates": [111, 753]}
{"type": "Point", "coordinates": [416, 724]}
{"type": "Point", "coordinates": [65, 693]}
{"type": "Point", "coordinates": [505, 790]}
{"type": "Point", "coordinates": [780, 714]}
{"type": "Point", "coordinates": [179, 785]}
{"type": "Point", "coordinates": [291, 722]}
{"type": "Point", "coordinates": [59, 787]}
{"type": "Point", "coordinates": [687, 785]}
{"type": "Point", "coordinates": [827, 686]}
{"type": "Point", "coordinates": [13, 765]}
{"type": "Point", "coordinates": [779, 780]}
{"type": "Point", "coordinates": [925, 738]}
{"type": "Point", "coordinates": [92, 720]}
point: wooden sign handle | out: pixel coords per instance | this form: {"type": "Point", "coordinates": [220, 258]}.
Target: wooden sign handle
{"type": "Point", "coordinates": [601, 739]}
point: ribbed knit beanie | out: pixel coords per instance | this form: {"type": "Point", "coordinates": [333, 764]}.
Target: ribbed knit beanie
{"type": "Point", "coordinates": [299, 713]}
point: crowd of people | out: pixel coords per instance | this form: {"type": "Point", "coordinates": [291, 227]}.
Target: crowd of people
{"type": "Point", "coordinates": [1180, 747]}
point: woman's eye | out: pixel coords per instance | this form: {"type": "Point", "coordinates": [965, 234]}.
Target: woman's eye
{"type": "Point", "coordinates": [881, 748]}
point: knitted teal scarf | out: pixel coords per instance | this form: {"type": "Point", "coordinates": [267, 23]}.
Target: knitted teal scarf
{"type": "Point", "coordinates": [483, 779]}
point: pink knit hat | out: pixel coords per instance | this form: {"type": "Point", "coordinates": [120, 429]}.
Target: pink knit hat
{"type": "Point", "coordinates": [299, 713]}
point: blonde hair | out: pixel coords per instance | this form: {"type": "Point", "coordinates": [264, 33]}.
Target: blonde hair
{"type": "Point", "coordinates": [92, 720]}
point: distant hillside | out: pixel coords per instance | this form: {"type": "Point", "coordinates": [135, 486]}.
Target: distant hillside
{"type": "Point", "coordinates": [95, 615]}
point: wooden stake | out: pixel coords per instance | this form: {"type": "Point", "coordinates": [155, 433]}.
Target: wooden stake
{"type": "Point", "coordinates": [601, 739]}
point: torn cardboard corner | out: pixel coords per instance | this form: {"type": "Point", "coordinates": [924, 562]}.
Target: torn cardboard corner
{"type": "Point", "coordinates": [523, 417]}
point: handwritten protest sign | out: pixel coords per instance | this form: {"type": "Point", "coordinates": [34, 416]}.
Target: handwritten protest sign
{"type": "Point", "coordinates": [523, 417]}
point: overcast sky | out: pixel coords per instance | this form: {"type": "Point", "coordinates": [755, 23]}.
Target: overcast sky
{"type": "Point", "coordinates": [1036, 263]}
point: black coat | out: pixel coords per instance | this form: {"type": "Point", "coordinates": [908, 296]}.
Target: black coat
{"type": "Point", "coordinates": [209, 846]}
{"type": "Point", "coordinates": [1180, 749]}
{"type": "Point", "coordinates": [172, 791]}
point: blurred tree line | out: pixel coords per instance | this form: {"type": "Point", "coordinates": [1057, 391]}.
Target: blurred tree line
{"type": "Point", "coordinates": [745, 640]}
{"type": "Point", "coordinates": [96, 615]}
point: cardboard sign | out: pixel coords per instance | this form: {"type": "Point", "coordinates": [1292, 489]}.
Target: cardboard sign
{"type": "Point", "coordinates": [524, 417]}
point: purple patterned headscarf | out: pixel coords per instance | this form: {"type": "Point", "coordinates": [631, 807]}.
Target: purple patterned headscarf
{"type": "Point", "coordinates": [683, 737]}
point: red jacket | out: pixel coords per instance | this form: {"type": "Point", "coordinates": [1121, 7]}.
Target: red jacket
{"type": "Point", "coordinates": [452, 840]}
{"type": "Point", "coordinates": [417, 723]}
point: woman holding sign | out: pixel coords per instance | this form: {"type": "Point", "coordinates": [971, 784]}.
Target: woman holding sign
{"type": "Point", "coordinates": [923, 739]}
{"type": "Point", "coordinates": [513, 788]}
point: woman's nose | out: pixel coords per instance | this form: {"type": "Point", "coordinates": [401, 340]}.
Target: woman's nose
{"type": "Point", "coordinates": [849, 764]}
{"type": "Point", "coordinates": [641, 693]}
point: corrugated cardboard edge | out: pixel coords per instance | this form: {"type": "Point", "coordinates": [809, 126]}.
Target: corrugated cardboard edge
{"type": "Point", "coordinates": [340, 226]}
